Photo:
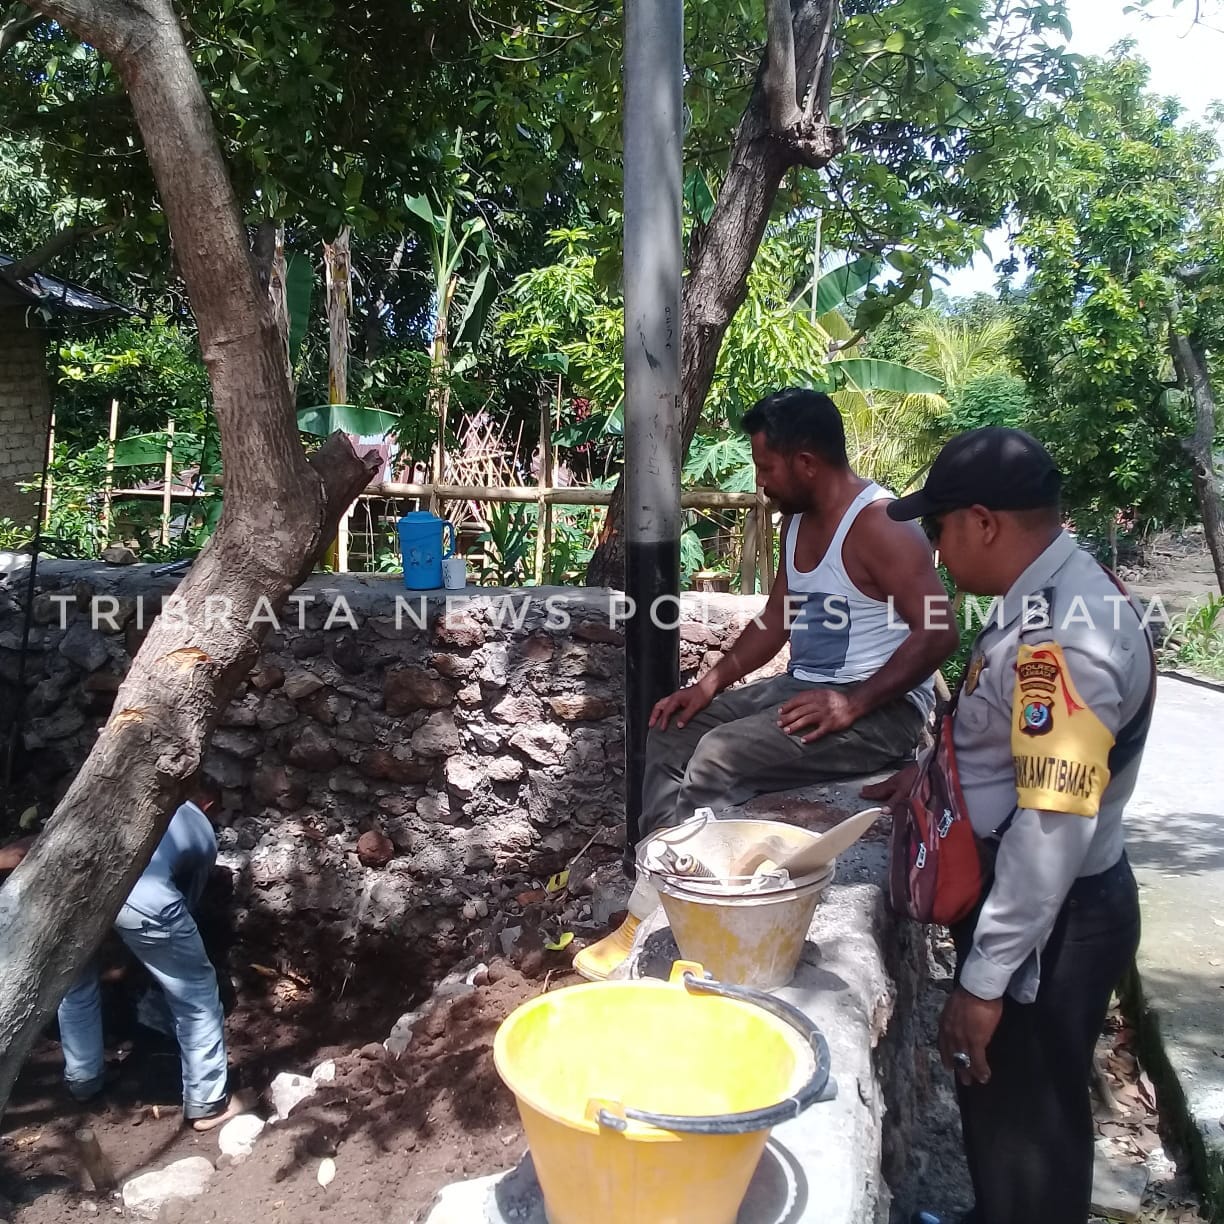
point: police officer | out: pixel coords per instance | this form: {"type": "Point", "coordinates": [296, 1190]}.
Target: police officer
{"type": "Point", "coordinates": [1048, 732]}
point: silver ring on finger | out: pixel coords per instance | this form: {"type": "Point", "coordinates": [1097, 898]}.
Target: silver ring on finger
{"type": "Point", "coordinates": [962, 1059]}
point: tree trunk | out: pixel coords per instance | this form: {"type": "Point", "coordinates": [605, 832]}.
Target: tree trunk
{"type": "Point", "coordinates": [1190, 361]}
{"type": "Point", "coordinates": [339, 292]}
{"type": "Point", "coordinates": [279, 511]}
{"type": "Point", "coordinates": [278, 291]}
{"type": "Point", "coordinates": [439, 384]}
{"type": "Point", "coordinates": [721, 253]}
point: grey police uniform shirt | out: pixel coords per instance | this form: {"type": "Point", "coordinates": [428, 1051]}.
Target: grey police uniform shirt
{"type": "Point", "coordinates": [1104, 648]}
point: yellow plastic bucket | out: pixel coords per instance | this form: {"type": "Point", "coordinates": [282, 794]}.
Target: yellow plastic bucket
{"type": "Point", "coordinates": [753, 939]}
{"type": "Point", "coordinates": [648, 1102]}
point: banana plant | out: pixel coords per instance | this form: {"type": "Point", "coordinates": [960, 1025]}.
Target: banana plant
{"type": "Point", "coordinates": [450, 249]}
{"type": "Point", "coordinates": [889, 409]}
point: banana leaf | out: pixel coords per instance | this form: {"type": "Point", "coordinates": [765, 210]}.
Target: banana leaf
{"type": "Point", "coordinates": [479, 302]}
{"type": "Point", "coordinates": [873, 374]}
{"type": "Point", "coordinates": [142, 450]}
{"type": "Point", "coordinates": [835, 287]}
{"type": "Point", "coordinates": [324, 419]}
{"type": "Point", "coordinates": [299, 285]}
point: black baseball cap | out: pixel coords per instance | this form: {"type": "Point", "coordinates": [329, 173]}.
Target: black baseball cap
{"type": "Point", "coordinates": [1001, 469]}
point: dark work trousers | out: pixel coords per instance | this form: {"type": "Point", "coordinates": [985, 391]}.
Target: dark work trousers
{"type": "Point", "coordinates": [1029, 1131]}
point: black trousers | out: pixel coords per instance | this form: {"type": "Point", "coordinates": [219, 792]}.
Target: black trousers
{"type": "Point", "coordinates": [1029, 1131]}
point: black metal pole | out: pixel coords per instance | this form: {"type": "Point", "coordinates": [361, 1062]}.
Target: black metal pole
{"type": "Point", "coordinates": [653, 136]}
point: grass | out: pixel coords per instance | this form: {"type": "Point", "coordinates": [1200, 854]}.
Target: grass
{"type": "Point", "coordinates": [1196, 639]}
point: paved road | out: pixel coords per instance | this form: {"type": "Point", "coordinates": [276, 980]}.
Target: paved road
{"type": "Point", "coordinates": [1175, 834]}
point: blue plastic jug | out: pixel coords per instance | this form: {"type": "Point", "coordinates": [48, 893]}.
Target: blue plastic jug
{"type": "Point", "coordinates": [423, 544]}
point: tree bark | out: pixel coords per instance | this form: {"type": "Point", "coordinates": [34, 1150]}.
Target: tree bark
{"type": "Point", "coordinates": [280, 510]}
{"type": "Point", "coordinates": [339, 300]}
{"type": "Point", "coordinates": [721, 253]}
{"type": "Point", "coordinates": [1190, 361]}
{"type": "Point", "coordinates": [17, 25]}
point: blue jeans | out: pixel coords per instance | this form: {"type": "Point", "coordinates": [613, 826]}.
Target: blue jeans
{"type": "Point", "coordinates": [174, 954]}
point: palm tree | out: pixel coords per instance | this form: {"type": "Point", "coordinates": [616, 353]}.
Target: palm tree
{"type": "Point", "coordinates": [956, 351]}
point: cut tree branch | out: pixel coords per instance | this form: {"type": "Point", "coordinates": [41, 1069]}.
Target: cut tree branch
{"type": "Point", "coordinates": [57, 244]}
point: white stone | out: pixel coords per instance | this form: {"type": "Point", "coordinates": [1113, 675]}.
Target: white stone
{"type": "Point", "coordinates": [237, 1137]}
{"type": "Point", "coordinates": [145, 1195]}
{"type": "Point", "coordinates": [401, 1033]}
{"type": "Point", "coordinates": [451, 986]}
{"type": "Point", "coordinates": [325, 1072]}
{"type": "Point", "coordinates": [288, 1091]}
{"type": "Point", "coordinates": [1117, 1188]}
{"type": "Point", "coordinates": [464, 1202]}
{"type": "Point", "coordinates": [327, 1171]}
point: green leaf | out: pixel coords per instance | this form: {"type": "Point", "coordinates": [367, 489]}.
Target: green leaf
{"type": "Point", "coordinates": [324, 419]}
{"type": "Point", "coordinates": [558, 882]}
{"type": "Point", "coordinates": [476, 311]}
{"type": "Point", "coordinates": [299, 285]}
{"type": "Point", "coordinates": [835, 287]}
{"type": "Point", "coordinates": [562, 942]}
{"type": "Point", "coordinates": [141, 450]}
{"type": "Point", "coordinates": [421, 208]}
{"type": "Point", "coordinates": [873, 374]}
{"type": "Point", "coordinates": [895, 42]}
{"type": "Point", "coordinates": [698, 196]}
{"type": "Point", "coordinates": [552, 363]}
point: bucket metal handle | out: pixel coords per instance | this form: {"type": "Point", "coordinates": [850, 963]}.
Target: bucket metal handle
{"type": "Point", "coordinates": [821, 1086]}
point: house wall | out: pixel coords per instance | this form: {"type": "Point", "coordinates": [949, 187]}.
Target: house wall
{"type": "Point", "coordinates": [25, 403]}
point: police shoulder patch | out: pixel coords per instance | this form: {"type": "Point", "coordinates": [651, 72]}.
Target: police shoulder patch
{"type": "Point", "coordinates": [1059, 746]}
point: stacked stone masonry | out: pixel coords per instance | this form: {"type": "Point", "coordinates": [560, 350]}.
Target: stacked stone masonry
{"type": "Point", "coordinates": [24, 406]}
{"type": "Point", "coordinates": [472, 737]}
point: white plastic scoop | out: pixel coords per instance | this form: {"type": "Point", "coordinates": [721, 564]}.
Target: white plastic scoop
{"type": "Point", "coordinates": [771, 853]}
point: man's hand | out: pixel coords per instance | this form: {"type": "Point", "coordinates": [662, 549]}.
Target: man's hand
{"type": "Point", "coordinates": [684, 703]}
{"type": "Point", "coordinates": [820, 712]}
{"type": "Point", "coordinates": [12, 854]}
{"type": "Point", "coordinates": [966, 1027]}
{"type": "Point", "coordinates": [892, 790]}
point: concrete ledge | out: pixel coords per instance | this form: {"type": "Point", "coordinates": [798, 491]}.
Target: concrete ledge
{"type": "Point", "coordinates": [1199, 1134]}
{"type": "Point", "coordinates": [857, 980]}
{"type": "Point", "coordinates": [1175, 839]}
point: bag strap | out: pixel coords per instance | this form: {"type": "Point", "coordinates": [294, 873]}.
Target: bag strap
{"type": "Point", "coordinates": [1132, 737]}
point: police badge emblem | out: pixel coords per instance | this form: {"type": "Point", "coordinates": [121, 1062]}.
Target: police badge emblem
{"type": "Point", "coordinates": [974, 674]}
{"type": "Point", "coordinates": [1038, 675]}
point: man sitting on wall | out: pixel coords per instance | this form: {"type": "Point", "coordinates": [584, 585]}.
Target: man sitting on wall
{"type": "Point", "coordinates": [868, 623]}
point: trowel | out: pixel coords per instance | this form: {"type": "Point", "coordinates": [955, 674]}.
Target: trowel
{"type": "Point", "coordinates": [773, 854]}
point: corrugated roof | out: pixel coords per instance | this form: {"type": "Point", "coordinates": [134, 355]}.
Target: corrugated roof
{"type": "Point", "coordinates": [58, 296]}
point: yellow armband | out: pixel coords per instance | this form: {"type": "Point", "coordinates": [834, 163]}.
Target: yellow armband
{"type": "Point", "coordinates": [1060, 747]}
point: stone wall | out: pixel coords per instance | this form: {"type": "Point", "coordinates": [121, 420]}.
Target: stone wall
{"type": "Point", "coordinates": [469, 738]}
{"type": "Point", "coordinates": [24, 405]}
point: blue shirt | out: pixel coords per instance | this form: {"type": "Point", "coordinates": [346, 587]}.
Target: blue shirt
{"type": "Point", "coordinates": [175, 877]}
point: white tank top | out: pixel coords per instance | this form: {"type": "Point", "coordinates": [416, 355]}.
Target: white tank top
{"type": "Point", "coordinates": [839, 635]}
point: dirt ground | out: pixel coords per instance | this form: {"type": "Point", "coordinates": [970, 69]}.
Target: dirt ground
{"type": "Point", "coordinates": [1127, 1120]}
{"type": "Point", "coordinates": [1174, 566]}
{"type": "Point", "coordinates": [398, 1129]}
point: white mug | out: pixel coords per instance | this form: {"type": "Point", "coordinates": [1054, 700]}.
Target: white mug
{"type": "Point", "coordinates": [454, 573]}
